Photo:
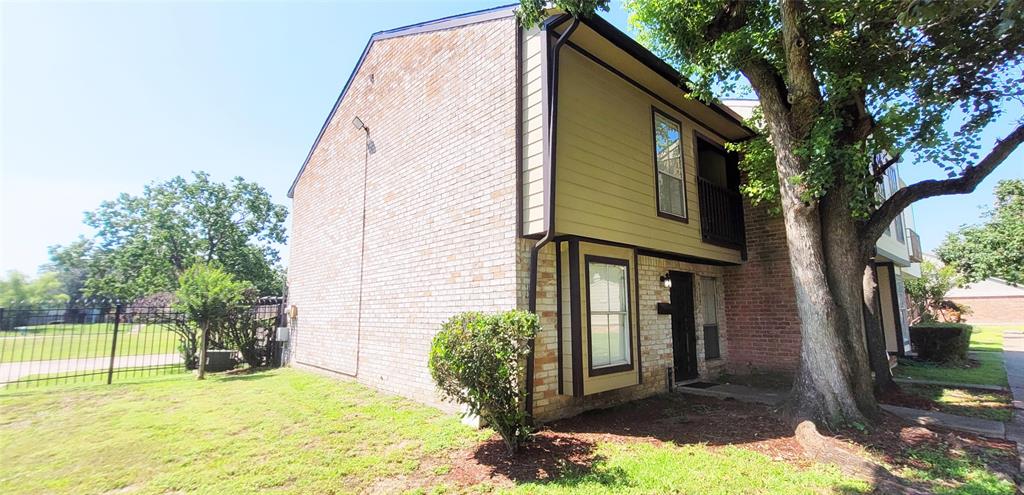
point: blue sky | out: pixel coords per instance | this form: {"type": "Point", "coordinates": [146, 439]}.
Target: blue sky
{"type": "Point", "coordinates": [102, 98]}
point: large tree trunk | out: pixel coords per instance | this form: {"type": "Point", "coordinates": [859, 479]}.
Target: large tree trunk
{"type": "Point", "coordinates": [823, 391]}
{"type": "Point", "coordinates": [844, 265]}
{"type": "Point", "coordinates": [873, 329]}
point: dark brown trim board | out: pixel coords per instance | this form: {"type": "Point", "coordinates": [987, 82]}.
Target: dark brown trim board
{"type": "Point", "coordinates": [519, 130]}
{"type": "Point", "coordinates": [591, 371]}
{"type": "Point", "coordinates": [655, 112]}
{"type": "Point", "coordinates": [576, 319]}
{"type": "Point", "coordinates": [642, 251]}
{"type": "Point", "coordinates": [558, 313]}
{"type": "Point", "coordinates": [636, 306]}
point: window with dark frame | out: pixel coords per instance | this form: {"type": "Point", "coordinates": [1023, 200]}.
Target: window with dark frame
{"type": "Point", "coordinates": [669, 167]}
{"type": "Point", "coordinates": [608, 313]}
{"type": "Point", "coordinates": [709, 303]}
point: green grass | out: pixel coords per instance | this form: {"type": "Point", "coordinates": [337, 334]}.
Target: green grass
{"type": "Point", "coordinates": [46, 342]}
{"type": "Point", "coordinates": [644, 468]}
{"type": "Point", "coordinates": [990, 337]}
{"type": "Point", "coordinates": [287, 431]}
{"type": "Point", "coordinates": [965, 402]}
{"type": "Point", "coordinates": [990, 370]}
{"type": "Point", "coordinates": [283, 431]}
{"type": "Point", "coordinates": [950, 472]}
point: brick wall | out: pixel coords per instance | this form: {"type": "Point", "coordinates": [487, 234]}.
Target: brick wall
{"type": "Point", "coordinates": [760, 305]}
{"type": "Point", "coordinates": [655, 334]}
{"type": "Point", "coordinates": [994, 310]}
{"type": "Point", "coordinates": [440, 212]}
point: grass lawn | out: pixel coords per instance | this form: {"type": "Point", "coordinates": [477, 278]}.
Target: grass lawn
{"type": "Point", "coordinates": [45, 342]}
{"type": "Point", "coordinates": [964, 402]}
{"type": "Point", "coordinates": [986, 369]}
{"type": "Point", "coordinates": [289, 431]}
{"type": "Point", "coordinates": [990, 337]}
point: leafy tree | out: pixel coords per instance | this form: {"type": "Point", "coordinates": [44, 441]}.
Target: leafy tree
{"type": "Point", "coordinates": [996, 247]}
{"type": "Point", "coordinates": [144, 243]}
{"type": "Point", "coordinates": [480, 360]}
{"type": "Point", "coordinates": [208, 296]}
{"type": "Point", "coordinates": [928, 291]}
{"type": "Point", "coordinates": [18, 291]}
{"type": "Point", "coordinates": [71, 265]}
{"type": "Point", "coordinates": [845, 89]}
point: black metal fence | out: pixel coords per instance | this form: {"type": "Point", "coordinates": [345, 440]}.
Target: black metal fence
{"type": "Point", "coordinates": [103, 343]}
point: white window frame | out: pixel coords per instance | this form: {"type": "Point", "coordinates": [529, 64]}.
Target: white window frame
{"type": "Point", "coordinates": [626, 317]}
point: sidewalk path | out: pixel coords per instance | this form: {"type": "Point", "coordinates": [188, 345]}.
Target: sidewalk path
{"type": "Point", "coordinates": [1013, 356]}
{"type": "Point", "coordinates": [11, 372]}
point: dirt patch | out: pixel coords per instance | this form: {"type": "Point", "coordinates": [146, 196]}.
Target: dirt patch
{"type": "Point", "coordinates": [569, 445]}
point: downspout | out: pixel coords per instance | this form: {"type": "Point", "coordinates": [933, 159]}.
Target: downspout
{"type": "Point", "coordinates": [549, 193]}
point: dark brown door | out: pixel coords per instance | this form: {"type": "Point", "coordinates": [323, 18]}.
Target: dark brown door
{"type": "Point", "coordinates": [684, 329]}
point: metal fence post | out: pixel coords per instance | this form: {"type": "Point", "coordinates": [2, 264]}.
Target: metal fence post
{"type": "Point", "coordinates": [2, 325]}
{"type": "Point", "coordinates": [113, 344]}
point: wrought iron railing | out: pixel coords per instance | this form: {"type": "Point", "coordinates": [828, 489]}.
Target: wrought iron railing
{"type": "Point", "coordinates": [915, 246]}
{"type": "Point", "coordinates": [721, 214]}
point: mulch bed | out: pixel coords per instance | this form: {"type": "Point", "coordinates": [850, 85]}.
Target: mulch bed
{"type": "Point", "coordinates": [569, 444]}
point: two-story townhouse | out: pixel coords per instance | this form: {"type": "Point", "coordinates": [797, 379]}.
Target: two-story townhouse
{"type": "Point", "coordinates": [470, 163]}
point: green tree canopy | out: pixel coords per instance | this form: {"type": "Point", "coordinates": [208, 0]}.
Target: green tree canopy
{"type": "Point", "coordinates": [144, 243]}
{"type": "Point", "coordinates": [994, 248]}
{"type": "Point", "coordinates": [19, 291]}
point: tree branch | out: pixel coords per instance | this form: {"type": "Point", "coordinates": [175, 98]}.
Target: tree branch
{"type": "Point", "coordinates": [880, 168]}
{"type": "Point", "coordinates": [805, 91]}
{"type": "Point", "coordinates": [732, 17]}
{"type": "Point", "coordinates": [966, 183]}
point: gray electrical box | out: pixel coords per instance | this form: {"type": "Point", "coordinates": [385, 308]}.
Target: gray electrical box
{"type": "Point", "coordinates": [282, 334]}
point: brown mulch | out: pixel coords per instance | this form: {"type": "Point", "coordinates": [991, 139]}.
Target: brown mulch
{"type": "Point", "coordinates": [570, 444]}
{"type": "Point", "coordinates": [898, 397]}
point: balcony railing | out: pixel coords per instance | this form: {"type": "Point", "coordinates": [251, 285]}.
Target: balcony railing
{"type": "Point", "coordinates": [721, 214]}
{"type": "Point", "coordinates": [915, 246]}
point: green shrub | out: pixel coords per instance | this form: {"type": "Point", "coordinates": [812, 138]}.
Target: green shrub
{"type": "Point", "coordinates": [207, 296]}
{"type": "Point", "coordinates": [941, 342]}
{"type": "Point", "coordinates": [479, 360]}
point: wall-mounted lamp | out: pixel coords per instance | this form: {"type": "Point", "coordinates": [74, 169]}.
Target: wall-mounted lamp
{"type": "Point", "coordinates": [666, 280]}
{"type": "Point", "coordinates": [359, 124]}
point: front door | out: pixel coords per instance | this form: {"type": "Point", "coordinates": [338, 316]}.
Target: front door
{"type": "Point", "coordinates": [684, 329]}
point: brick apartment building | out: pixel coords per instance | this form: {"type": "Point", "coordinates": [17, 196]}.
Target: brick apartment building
{"type": "Point", "coordinates": [474, 164]}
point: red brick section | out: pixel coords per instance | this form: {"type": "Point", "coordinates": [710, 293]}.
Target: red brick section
{"type": "Point", "coordinates": [994, 310]}
{"type": "Point", "coordinates": [760, 306]}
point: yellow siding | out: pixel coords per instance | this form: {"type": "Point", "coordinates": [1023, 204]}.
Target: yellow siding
{"type": "Point", "coordinates": [886, 303]}
{"type": "Point", "coordinates": [533, 135]}
{"type": "Point", "coordinates": [606, 183]}
{"type": "Point", "coordinates": [566, 363]}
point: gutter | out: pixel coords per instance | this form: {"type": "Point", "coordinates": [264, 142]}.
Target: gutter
{"type": "Point", "coordinates": [549, 189]}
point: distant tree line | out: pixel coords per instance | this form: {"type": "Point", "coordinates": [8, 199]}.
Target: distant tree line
{"type": "Point", "coordinates": [143, 244]}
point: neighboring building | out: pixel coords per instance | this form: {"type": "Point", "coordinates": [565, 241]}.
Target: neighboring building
{"type": "Point", "coordinates": [458, 145]}
{"type": "Point", "coordinates": [992, 301]}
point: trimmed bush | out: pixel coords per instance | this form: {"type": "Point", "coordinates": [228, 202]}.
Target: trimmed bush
{"type": "Point", "coordinates": [941, 342]}
{"type": "Point", "coordinates": [479, 360]}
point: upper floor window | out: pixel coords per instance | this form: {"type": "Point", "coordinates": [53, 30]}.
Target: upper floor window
{"type": "Point", "coordinates": [668, 159]}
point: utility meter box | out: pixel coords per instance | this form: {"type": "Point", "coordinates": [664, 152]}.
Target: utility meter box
{"type": "Point", "coordinates": [282, 334]}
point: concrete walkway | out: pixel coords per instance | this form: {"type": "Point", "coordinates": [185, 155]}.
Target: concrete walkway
{"type": "Point", "coordinates": [914, 381]}
{"type": "Point", "coordinates": [983, 427]}
{"type": "Point", "coordinates": [1013, 357]}
{"type": "Point", "coordinates": [12, 372]}
{"type": "Point", "coordinates": [738, 392]}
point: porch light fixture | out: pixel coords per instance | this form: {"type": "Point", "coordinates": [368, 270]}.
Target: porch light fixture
{"type": "Point", "coordinates": [666, 281]}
